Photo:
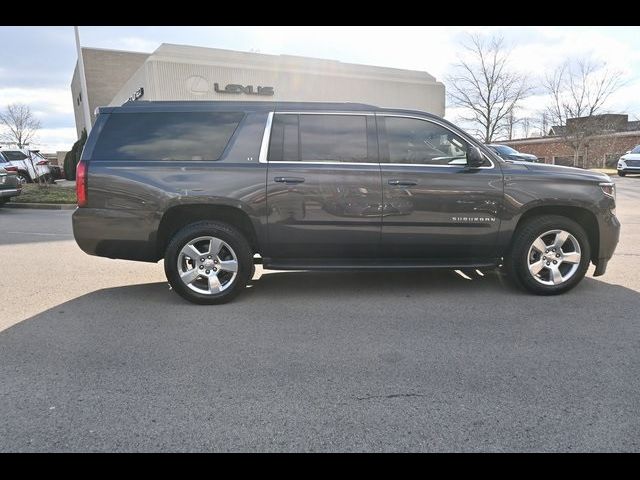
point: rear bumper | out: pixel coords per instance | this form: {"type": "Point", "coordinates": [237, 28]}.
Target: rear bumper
{"type": "Point", "coordinates": [128, 235]}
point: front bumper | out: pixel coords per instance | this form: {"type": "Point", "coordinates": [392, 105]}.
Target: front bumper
{"type": "Point", "coordinates": [628, 169]}
{"type": "Point", "coordinates": [609, 227]}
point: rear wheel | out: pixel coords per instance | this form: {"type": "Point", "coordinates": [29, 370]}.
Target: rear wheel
{"type": "Point", "coordinates": [550, 255]}
{"type": "Point", "coordinates": [208, 262]}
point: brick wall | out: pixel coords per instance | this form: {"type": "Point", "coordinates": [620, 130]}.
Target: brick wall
{"type": "Point", "coordinates": [598, 150]}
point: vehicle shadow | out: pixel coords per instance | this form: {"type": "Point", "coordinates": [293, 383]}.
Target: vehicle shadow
{"type": "Point", "coordinates": [328, 361]}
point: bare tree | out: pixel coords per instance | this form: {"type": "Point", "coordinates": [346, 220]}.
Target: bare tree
{"type": "Point", "coordinates": [485, 87]}
{"type": "Point", "coordinates": [579, 90]}
{"type": "Point", "coordinates": [511, 123]}
{"type": "Point", "coordinates": [526, 127]}
{"type": "Point", "coordinates": [20, 126]}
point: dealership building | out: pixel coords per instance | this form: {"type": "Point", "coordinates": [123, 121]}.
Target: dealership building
{"type": "Point", "coordinates": [180, 72]}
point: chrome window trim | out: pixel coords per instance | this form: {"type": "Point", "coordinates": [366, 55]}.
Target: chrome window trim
{"type": "Point", "coordinates": [325, 112]}
{"type": "Point", "coordinates": [266, 136]}
{"type": "Point", "coordinates": [302, 162]}
{"type": "Point", "coordinates": [467, 139]}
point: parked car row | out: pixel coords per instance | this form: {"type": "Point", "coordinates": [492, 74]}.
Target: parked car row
{"type": "Point", "coordinates": [628, 163]}
{"type": "Point", "coordinates": [10, 185]}
{"type": "Point", "coordinates": [31, 165]}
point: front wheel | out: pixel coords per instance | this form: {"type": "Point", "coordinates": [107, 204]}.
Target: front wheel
{"type": "Point", "coordinates": [621, 174]}
{"type": "Point", "coordinates": [208, 262]}
{"type": "Point", "coordinates": [23, 177]}
{"type": "Point", "coordinates": [550, 255]}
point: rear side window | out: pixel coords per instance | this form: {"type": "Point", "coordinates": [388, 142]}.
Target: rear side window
{"type": "Point", "coordinates": [318, 138]}
{"type": "Point", "coordinates": [13, 156]}
{"type": "Point", "coordinates": [166, 136]}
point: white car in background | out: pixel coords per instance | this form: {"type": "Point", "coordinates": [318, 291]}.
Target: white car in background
{"type": "Point", "coordinates": [31, 165]}
{"type": "Point", "coordinates": [629, 162]}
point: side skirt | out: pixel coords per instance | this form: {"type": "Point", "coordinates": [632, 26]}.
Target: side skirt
{"type": "Point", "coordinates": [373, 264]}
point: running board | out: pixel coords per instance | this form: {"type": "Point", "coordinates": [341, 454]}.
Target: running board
{"type": "Point", "coordinates": [365, 264]}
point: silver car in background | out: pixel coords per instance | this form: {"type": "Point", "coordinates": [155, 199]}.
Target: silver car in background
{"type": "Point", "coordinates": [32, 166]}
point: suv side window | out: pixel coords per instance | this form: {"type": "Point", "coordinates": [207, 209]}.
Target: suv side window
{"type": "Point", "coordinates": [12, 155]}
{"type": "Point", "coordinates": [415, 141]}
{"type": "Point", "coordinates": [166, 136]}
{"type": "Point", "coordinates": [319, 138]}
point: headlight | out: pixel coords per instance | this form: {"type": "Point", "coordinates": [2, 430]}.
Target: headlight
{"type": "Point", "coordinates": [609, 189]}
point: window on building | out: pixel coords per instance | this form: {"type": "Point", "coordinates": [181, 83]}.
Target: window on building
{"type": "Point", "coordinates": [166, 136]}
{"type": "Point", "coordinates": [318, 138]}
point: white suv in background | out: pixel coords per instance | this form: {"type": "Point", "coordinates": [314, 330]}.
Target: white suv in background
{"type": "Point", "coordinates": [629, 162]}
{"type": "Point", "coordinates": [31, 165]}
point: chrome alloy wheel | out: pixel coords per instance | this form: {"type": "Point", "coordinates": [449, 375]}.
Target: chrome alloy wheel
{"type": "Point", "coordinates": [554, 257]}
{"type": "Point", "coordinates": [207, 265]}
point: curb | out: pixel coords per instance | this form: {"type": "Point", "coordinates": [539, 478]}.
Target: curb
{"type": "Point", "coordinates": [42, 206]}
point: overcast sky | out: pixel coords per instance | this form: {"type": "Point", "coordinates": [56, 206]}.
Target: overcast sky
{"type": "Point", "coordinates": [36, 63]}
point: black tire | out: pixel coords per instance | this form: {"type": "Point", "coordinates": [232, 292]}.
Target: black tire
{"type": "Point", "coordinates": [227, 234]}
{"type": "Point", "coordinates": [517, 260]}
{"type": "Point", "coordinates": [621, 174]}
{"type": "Point", "coordinates": [3, 201]}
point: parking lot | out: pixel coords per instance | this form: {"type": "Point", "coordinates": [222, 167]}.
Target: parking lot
{"type": "Point", "coordinates": [99, 354]}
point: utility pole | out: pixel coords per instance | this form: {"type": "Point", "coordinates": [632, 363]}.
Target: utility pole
{"type": "Point", "coordinates": [83, 85]}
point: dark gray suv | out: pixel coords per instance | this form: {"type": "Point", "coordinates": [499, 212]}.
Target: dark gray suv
{"type": "Point", "coordinates": [207, 185]}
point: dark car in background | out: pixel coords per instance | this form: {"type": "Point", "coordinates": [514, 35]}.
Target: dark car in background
{"type": "Point", "coordinates": [10, 185]}
{"type": "Point", "coordinates": [509, 153]}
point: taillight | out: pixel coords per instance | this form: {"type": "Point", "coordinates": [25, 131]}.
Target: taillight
{"type": "Point", "coordinates": [42, 162]}
{"type": "Point", "coordinates": [11, 169]}
{"type": "Point", "coordinates": [81, 183]}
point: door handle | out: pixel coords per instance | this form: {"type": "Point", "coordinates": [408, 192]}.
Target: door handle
{"type": "Point", "coordinates": [403, 183]}
{"type": "Point", "coordinates": [289, 180]}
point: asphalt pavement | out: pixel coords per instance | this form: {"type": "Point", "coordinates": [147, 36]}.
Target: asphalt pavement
{"type": "Point", "coordinates": [99, 355]}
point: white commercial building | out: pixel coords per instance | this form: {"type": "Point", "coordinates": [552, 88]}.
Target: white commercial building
{"type": "Point", "coordinates": [179, 72]}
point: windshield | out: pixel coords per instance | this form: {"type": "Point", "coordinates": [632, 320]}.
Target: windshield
{"type": "Point", "coordinates": [13, 155]}
{"type": "Point", "coordinates": [504, 150]}
{"type": "Point", "coordinates": [636, 149]}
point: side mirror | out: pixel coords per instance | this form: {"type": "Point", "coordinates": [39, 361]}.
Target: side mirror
{"type": "Point", "coordinates": [475, 158]}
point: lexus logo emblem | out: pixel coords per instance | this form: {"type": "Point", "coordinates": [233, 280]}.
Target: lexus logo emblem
{"type": "Point", "coordinates": [246, 89]}
{"type": "Point", "coordinates": [199, 86]}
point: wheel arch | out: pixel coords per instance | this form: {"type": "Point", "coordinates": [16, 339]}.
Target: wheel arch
{"type": "Point", "coordinates": [179, 216]}
{"type": "Point", "coordinates": [583, 216]}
